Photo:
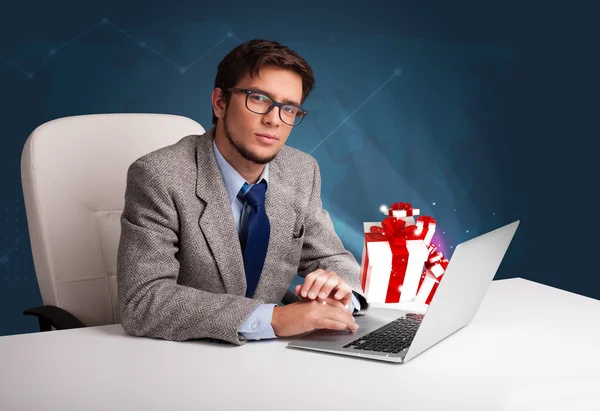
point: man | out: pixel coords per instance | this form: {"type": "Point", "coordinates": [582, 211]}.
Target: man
{"type": "Point", "coordinates": [216, 226]}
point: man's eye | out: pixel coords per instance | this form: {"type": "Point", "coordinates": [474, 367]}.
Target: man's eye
{"type": "Point", "coordinates": [259, 97]}
{"type": "Point", "coordinates": [290, 109]}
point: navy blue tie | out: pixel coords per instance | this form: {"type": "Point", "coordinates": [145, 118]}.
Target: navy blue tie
{"type": "Point", "coordinates": [255, 235]}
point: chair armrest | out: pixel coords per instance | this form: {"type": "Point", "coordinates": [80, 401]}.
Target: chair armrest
{"type": "Point", "coordinates": [289, 298]}
{"type": "Point", "coordinates": [52, 316]}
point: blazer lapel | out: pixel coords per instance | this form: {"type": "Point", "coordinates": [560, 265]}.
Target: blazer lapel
{"type": "Point", "coordinates": [216, 220]}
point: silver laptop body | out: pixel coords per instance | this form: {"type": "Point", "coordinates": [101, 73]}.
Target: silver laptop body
{"type": "Point", "coordinates": [467, 279]}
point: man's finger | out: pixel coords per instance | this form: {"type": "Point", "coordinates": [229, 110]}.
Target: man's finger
{"type": "Point", "coordinates": [332, 282]}
{"type": "Point", "coordinates": [346, 295]}
{"type": "Point", "coordinates": [318, 284]}
{"type": "Point", "coordinates": [347, 302]}
{"type": "Point", "coordinates": [309, 280]}
{"type": "Point", "coordinates": [342, 291]}
{"type": "Point", "coordinates": [330, 324]}
{"type": "Point", "coordinates": [342, 315]}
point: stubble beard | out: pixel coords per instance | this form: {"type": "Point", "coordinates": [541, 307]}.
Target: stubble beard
{"type": "Point", "coordinates": [243, 151]}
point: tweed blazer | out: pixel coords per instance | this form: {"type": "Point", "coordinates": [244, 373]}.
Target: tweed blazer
{"type": "Point", "coordinates": [180, 268]}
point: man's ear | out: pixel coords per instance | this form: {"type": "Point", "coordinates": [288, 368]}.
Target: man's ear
{"type": "Point", "coordinates": [218, 102]}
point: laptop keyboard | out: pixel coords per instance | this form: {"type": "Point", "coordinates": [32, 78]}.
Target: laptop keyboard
{"type": "Point", "coordinates": [392, 337]}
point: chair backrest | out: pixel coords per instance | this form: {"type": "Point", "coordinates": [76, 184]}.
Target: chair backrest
{"type": "Point", "coordinates": [74, 173]}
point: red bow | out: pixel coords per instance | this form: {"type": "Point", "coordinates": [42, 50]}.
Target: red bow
{"type": "Point", "coordinates": [397, 231]}
{"type": "Point", "coordinates": [426, 219]}
{"type": "Point", "coordinates": [401, 206]}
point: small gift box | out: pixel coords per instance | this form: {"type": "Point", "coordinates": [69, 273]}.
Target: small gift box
{"type": "Point", "coordinates": [435, 267]}
{"type": "Point", "coordinates": [394, 252]}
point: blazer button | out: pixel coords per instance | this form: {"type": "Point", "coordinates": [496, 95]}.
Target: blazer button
{"type": "Point", "coordinates": [254, 326]}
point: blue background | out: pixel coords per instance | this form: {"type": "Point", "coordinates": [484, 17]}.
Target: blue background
{"type": "Point", "coordinates": [478, 114]}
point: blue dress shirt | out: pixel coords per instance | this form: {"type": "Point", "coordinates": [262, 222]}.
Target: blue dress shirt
{"type": "Point", "coordinates": [258, 324]}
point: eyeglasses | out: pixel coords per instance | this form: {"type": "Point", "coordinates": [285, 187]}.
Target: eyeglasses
{"type": "Point", "coordinates": [259, 103]}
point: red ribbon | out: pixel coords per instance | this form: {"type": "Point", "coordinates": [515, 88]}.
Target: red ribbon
{"type": "Point", "coordinates": [433, 289]}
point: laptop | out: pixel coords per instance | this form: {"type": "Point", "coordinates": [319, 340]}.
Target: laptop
{"type": "Point", "coordinates": [394, 335]}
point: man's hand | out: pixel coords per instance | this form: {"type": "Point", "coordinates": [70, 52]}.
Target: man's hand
{"type": "Point", "coordinates": [320, 285]}
{"type": "Point", "coordinates": [308, 315]}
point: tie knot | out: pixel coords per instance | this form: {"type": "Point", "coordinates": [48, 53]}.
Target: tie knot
{"type": "Point", "coordinates": [255, 196]}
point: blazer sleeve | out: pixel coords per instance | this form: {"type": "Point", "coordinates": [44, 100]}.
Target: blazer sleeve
{"type": "Point", "coordinates": [322, 248]}
{"type": "Point", "coordinates": [152, 303]}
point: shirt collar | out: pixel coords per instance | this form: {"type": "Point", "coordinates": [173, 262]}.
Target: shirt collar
{"type": "Point", "coordinates": [233, 180]}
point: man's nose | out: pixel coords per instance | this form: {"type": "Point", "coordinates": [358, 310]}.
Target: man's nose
{"type": "Point", "coordinates": [272, 117]}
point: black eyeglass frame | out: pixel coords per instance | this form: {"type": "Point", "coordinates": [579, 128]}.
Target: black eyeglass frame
{"type": "Point", "coordinates": [275, 103]}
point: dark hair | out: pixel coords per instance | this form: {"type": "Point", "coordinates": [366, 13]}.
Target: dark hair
{"type": "Point", "coordinates": [250, 57]}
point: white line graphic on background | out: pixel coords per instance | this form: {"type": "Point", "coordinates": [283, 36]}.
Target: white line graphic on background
{"type": "Point", "coordinates": [397, 72]}
{"type": "Point", "coordinates": [105, 21]}
{"type": "Point", "coordinates": [4, 258]}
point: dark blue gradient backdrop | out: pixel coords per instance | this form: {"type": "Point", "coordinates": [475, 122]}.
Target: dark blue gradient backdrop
{"type": "Point", "coordinates": [479, 115]}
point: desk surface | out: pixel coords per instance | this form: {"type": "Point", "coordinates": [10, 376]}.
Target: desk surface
{"type": "Point", "coordinates": [529, 347]}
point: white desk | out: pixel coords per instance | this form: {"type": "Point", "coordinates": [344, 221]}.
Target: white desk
{"type": "Point", "coordinates": [529, 347]}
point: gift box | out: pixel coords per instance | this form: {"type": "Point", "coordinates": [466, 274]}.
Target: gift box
{"type": "Point", "coordinates": [394, 253]}
{"type": "Point", "coordinates": [435, 267]}
{"type": "Point", "coordinates": [427, 287]}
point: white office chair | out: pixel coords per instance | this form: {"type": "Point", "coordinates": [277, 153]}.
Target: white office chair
{"type": "Point", "coordinates": [74, 173]}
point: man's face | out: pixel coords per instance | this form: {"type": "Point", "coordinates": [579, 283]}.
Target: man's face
{"type": "Point", "coordinates": [259, 137]}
